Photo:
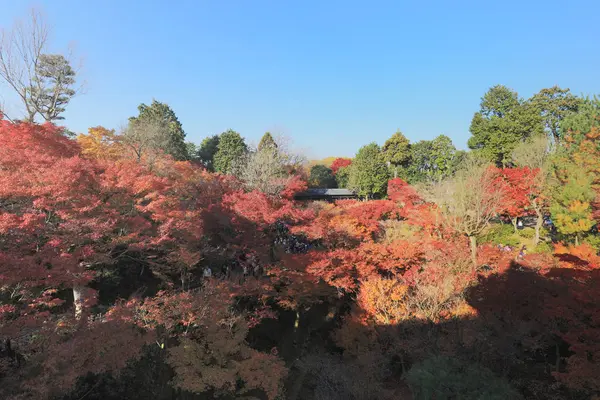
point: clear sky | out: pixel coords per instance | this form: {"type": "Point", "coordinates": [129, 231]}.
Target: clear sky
{"type": "Point", "coordinates": [332, 75]}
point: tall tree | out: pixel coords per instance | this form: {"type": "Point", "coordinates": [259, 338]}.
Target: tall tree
{"type": "Point", "coordinates": [421, 163]}
{"type": "Point", "coordinates": [321, 177]}
{"type": "Point", "coordinates": [396, 151]}
{"type": "Point", "coordinates": [52, 87]}
{"type": "Point", "coordinates": [161, 116]}
{"type": "Point", "coordinates": [586, 117]}
{"type": "Point", "coordinates": [368, 172]}
{"type": "Point", "coordinates": [207, 150]}
{"type": "Point", "coordinates": [571, 203]}
{"type": "Point", "coordinates": [267, 141]}
{"type": "Point", "coordinates": [554, 104]}
{"type": "Point", "coordinates": [231, 147]}
{"type": "Point", "coordinates": [192, 151]}
{"type": "Point", "coordinates": [503, 121]}
{"type": "Point", "coordinates": [443, 157]}
{"type": "Point", "coordinates": [342, 176]}
{"type": "Point", "coordinates": [43, 82]}
{"type": "Point", "coordinates": [432, 159]}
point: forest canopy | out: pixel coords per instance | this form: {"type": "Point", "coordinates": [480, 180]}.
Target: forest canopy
{"type": "Point", "coordinates": [137, 264]}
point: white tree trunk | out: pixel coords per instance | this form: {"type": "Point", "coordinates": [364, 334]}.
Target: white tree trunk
{"type": "Point", "coordinates": [78, 300]}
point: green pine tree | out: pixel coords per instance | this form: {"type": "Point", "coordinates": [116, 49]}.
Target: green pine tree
{"type": "Point", "coordinates": [231, 147]}
{"type": "Point", "coordinates": [267, 141]}
{"type": "Point", "coordinates": [368, 173]}
{"type": "Point", "coordinates": [503, 122]}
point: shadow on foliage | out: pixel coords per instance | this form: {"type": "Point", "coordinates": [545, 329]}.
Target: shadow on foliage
{"type": "Point", "coordinates": [533, 334]}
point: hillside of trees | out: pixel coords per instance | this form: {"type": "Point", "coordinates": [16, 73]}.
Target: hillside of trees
{"type": "Point", "coordinates": [136, 265]}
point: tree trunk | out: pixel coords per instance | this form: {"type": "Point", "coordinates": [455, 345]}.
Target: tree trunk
{"type": "Point", "coordinates": [514, 223]}
{"type": "Point", "coordinates": [577, 239]}
{"type": "Point", "coordinates": [538, 226]}
{"type": "Point", "coordinates": [473, 242]}
{"type": "Point", "coordinates": [297, 321]}
{"type": "Point", "coordinates": [78, 300]}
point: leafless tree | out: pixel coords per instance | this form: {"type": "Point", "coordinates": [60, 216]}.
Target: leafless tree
{"type": "Point", "coordinates": [533, 153]}
{"type": "Point", "coordinates": [145, 138]}
{"type": "Point", "coordinates": [468, 201]}
{"type": "Point", "coordinates": [44, 83]}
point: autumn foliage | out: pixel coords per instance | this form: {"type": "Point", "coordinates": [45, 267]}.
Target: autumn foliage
{"type": "Point", "coordinates": [112, 265]}
{"type": "Point", "coordinates": [340, 163]}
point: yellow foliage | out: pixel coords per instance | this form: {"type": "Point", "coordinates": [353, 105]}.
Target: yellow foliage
{"type": "Point", "coordinates": [327, 161]}
{"type": "Point", "coordinates": [100, 143]}
{"type": "Point", "coordinates": [579, 206]}
{"type": "Point", "coordinates": [383, 300]}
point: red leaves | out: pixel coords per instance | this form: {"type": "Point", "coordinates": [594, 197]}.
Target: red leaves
{"type": "Point", "coordinates": [583, 256]}
{"type": "Point", "coordinates": [519, 187]}
{"type": "Point", "coordinates": [401, 192]}
{"type": "Point", "coordinates": [295, 185]}
{"type": "Point", "coordinates": [345, 268]}
{"type": "Point", "coordinates": [339, 163]}
{"type": "Point", "coordinates": [261, 209]}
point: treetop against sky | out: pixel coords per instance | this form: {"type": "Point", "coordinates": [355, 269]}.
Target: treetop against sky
{"type": "Point", "coordinates": [327, 74]}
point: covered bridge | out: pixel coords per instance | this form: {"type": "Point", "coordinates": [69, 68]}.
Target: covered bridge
{"type": "Point", "coordinates": [326, 194]}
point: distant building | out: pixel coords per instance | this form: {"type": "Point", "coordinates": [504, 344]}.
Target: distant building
{"type": "Point", "coordinates": [325, 194]}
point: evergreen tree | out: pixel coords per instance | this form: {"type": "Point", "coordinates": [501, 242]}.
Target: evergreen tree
{"type": "Point", "coordinates": [231, 147]}
{"type": "Point", "coordinates": [368, 173]}
{"type": "Point", "coordinates": [571, 201]}
{"type": "Point", "coordinates": [207, 150]}
{"type": "Point", "coordinates": [192, 151]}
{"type": "Point", "coordinates": [432, 159]}
{"type": "Point", "coordinates": [396, 152]}
{"type": "Point", "coordinates": [586, 117]}
{"type": "Point", "coordinates": [554, 104]}
{"type": "Point", "coordinates": [161, 115]}
{"type": "Point", "coordinates": [503, 122]}
{"type": "Point", "coordinates": [321, 177]}
{"type": "Point", "coordinates": [266, 141]}
{"type": "Point", "coordinates": [342, 176]}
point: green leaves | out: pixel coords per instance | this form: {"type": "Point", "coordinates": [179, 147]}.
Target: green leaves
{"type": "Point", "coordinates": [207, 150]}
{"type": "Point", "coordinates": [432, 159]}
{"type": "Point", "coordinates": [231, 147]}
{"type": "Point", "coordinates": [502, 123]}
{"type": "Point", "coordinates": [571, 201]}
{"type": "Point", "coordinates": [321, 177]}
{"type": "Point", "coordinates": [52, 86]}
{"type": "Point", "coordinates": [162, 117]}
{"type": "Point", "coordinates": [266, 141]}
{"type": "Point", "coordinates": [396, 150]}
{"type": "Point", "coordinates": [554, 104]}
{"type": "Point", "coordinates": [368, 172]}
{"type": "Point", "coordinates": [587, 116]}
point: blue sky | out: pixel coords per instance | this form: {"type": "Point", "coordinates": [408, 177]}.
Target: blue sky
{"type": "Point", "coordinates": [332, 75]}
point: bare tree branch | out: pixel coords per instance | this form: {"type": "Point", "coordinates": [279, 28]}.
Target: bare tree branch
{"type": "Point", "coordinates": [43, 82]}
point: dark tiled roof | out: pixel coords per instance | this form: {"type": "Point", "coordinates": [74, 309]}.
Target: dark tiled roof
{"type": "Point", "coordinates": [326, 192]}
